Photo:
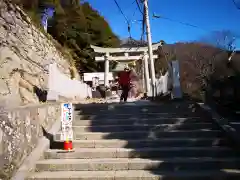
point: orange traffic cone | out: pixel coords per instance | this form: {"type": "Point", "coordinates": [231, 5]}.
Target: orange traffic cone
{"type": "Point", "coordinates": [68, 145]}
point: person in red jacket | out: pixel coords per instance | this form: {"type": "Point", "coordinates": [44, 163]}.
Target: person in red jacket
{"type": "Point", "coordinates": [124, 82]}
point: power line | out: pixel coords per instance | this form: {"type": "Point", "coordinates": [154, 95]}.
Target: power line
{"type": "Point", "coordinates": [139, 8]}
{"type": "Point", "coordinates": [134, 13]}
{"type": "Point", "coordinates": [191, 25]}
{"type": "Point", "coordinates": [119, 8]}
{"type": "Point", "coordinates": [237, 6]}
{"type": "Point", "coordinates": [143, 29]}
{"type": "Point", "coordinates": [128, 22]}
{"type": "Point", "coordinates": [134, 1]}
{"type": "Point", "coordinates": [143, 21]}
{"type": "Point", "coordinates": [180, 22]}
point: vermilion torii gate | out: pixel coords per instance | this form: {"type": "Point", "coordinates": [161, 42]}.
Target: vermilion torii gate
{"type": "Point", "coordinates": [125, 55]}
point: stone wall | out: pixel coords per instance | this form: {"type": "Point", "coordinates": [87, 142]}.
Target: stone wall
{"type": "Point", "coordinates": [20, 130]}
{"type": "Point", "coordinates": [25, 53]}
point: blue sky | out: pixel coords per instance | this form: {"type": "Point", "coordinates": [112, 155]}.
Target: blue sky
{"type": "Point", "coordinates": [211, 15]}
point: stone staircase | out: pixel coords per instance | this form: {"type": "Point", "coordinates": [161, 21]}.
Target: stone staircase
{"type": "Point", "coordinates": [142, 142]}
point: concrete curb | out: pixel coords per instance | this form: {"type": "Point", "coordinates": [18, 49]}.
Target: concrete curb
{"type": "Point", "coordinates": [29, 163]}
{"type": "Point", "coordinates": [223, 123]}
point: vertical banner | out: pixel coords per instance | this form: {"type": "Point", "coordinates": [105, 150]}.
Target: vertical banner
{"type": "Point", "coordinates": [177, 91]}
{"type": "Point", "coordinates": [66, 119]}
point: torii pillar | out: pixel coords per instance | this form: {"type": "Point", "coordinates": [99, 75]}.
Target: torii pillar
{"type": "Point", "coordinates": [106, 70]}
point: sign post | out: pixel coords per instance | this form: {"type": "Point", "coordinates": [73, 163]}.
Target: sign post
{"type": "Point", "coordinates": [66, 119]}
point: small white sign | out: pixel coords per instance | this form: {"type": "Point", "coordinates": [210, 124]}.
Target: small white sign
{"type": "Point", "coordinates": [66, 134]}
{"type": "Point", "coordinates": [66, 113]}
{"type": "Point", "coordinates": [66, 119]}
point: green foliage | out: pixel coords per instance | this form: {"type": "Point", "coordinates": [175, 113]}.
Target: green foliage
{"type": "Point", "coordinates": [75, 26]}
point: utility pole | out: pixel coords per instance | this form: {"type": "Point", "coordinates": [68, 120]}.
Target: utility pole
{"type": "Point", "coordinates": [150, 50]}
{"type": "Point", "coordinates": [146, 73]}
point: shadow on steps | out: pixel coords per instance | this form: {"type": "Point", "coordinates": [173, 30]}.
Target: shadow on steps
{"type": "Point", "coordinates": [53, 144]}
{"type": "Point", "coordinates": [178, 113]}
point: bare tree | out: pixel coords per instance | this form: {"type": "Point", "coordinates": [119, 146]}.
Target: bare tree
{"type": "Point", "coordinates": [201, 59]}
{"type": "Point", "coordinates": [213, 48]}
{"type": "Point", "coordinates": [225, 40]}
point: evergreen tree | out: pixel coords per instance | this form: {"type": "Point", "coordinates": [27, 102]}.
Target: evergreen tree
{"type": "Point", "coordinates": [75, 26]}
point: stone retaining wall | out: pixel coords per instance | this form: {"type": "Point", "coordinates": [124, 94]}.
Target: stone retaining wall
{"type": "Point", "coordinates": [25, 54]}
{"type": "Point", "coordinates": [20, 130]}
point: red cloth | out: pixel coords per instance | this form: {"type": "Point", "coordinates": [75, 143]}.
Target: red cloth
{"type": "Point", "coordinates": [124, 78]}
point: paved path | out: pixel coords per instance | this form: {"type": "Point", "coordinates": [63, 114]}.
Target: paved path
{"type": "Point", "coordinates": [143, 141]}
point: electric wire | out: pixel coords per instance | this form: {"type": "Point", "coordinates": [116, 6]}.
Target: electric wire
{"type": "Point", "coordinates": [190, 25]}
{"type": "Point", "coordinates": [237, 6]}
{"type": "Point", "coordinates": [143, 22]}
{"type": "Point", "coordinates": [180, 22]}
{"type": "Point", "coordinates": [139, 8]}
{"type": "Point", "coordinates": [127, 20]}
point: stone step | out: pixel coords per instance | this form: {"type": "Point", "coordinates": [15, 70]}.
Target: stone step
{"type": "Point", "coordinates": [129, 113]}
{"type": "Point", "coordinates": [164, 152]}
{"type": "Point", "coordinates": [101, 117]}
{"type": "Point", "coordinates": [118, 106]}
{"type": "Point", "coordinates": [146, 134]}
{"type": "Point", "coordinates": [172, 106]}
{"type": "Point", "coordinates": [163, 142]}
{"type": "Point", "coordinates": [119, 164]}
{"type": "Point", "coordinates": [140, 104]}
{"type": "Point", "coordinates": [136, 175]}
{"type": "Point", "coordinates": [146, 127]}
{"type": "Point", "coordinates": [132, 121]}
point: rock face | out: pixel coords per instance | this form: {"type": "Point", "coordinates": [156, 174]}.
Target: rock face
{"type": "Point", "coordinates": [25, 53]}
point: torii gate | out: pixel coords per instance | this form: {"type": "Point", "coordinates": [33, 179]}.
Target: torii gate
{"type": "Point", "coordinates": [125, 54]}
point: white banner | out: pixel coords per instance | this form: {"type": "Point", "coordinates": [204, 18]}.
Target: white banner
{"type": "Point", "coordinates": [61, 85]}
{"type": "Point", "coordinates": [162, 84]}
{"type": "Point", "coordinates": [176, 92]}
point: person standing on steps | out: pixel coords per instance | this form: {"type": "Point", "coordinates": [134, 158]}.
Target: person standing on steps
{"type": "Point", "coordinates": [124, 82]}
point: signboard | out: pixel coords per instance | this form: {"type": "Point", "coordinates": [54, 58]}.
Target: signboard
{"type": "Point", "coordinates": [99, 75]}
{"type": "Point", "coordinates": [66, 119]}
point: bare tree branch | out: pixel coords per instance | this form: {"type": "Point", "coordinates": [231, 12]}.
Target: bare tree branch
{"type": "Point", "coordinates": [225, 40]}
